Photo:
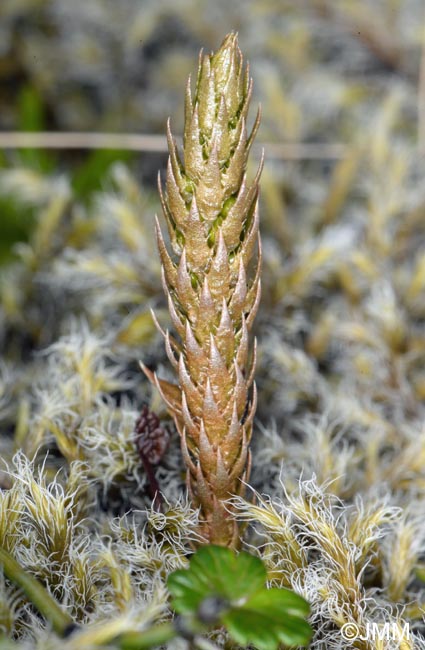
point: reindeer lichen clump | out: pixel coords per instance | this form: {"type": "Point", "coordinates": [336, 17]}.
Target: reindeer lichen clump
{"type": "Point", "coordinates": [213, 287]}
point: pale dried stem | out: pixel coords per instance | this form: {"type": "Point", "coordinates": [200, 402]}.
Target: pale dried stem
{"type": "Point", "coordinates": [157, 144]}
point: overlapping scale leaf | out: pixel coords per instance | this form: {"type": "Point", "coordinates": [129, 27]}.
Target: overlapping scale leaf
{"type": "Point", "coordinates": [212, 285]}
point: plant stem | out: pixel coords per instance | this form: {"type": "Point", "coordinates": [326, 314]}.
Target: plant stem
{"type": "Point", "coordinates": [158, 143]}
{"type": "Point", "coordinates": [153, 487]}
{"type": "Point", "coordinates": [151, 638]}
{"type": "Point", "coordinates": [61, 622]}
{"type": "Point", "coordinates": [8, 644]}
{"type": "Point", "coordinates": [205, 644]}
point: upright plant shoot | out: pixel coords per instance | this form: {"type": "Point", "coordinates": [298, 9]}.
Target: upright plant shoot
{"type": "Point", "coordinates": [212, 283]}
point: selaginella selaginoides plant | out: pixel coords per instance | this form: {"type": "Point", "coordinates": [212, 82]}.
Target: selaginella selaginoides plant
{"type": "Point", "coordinates": [213, 287]}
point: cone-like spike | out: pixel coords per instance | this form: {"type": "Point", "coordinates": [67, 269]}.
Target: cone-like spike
{"type": "Point", "coordinates": [213, 286]}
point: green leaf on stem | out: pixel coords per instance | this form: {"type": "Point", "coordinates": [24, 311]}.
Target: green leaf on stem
{"type": "Point", "coordinates": [236, 585]}
{"type": "Point", "coordinates": [215, 571]}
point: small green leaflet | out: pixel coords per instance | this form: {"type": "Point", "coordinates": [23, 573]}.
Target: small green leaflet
{"type": "Point", "coordinates": [251, 613]}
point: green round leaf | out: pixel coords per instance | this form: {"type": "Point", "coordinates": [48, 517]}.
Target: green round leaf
{"type": "Point", "coordinates": [270, 617]}
{"type": "Point", "coordinates": [254, 615]}
{"type": "Point", "coordinates": [216, 571]}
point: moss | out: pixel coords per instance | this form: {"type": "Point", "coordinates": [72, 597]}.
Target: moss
{"type": "Point", "coordinates": [339, 447]}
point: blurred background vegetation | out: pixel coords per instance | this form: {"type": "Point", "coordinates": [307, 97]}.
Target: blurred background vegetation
{"type": "Point", "coordinates": [342, 88]}
{"type": "Point", "coordinates": [341, 342]}
{"type": "Point", "coordinates": [322, 70]}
